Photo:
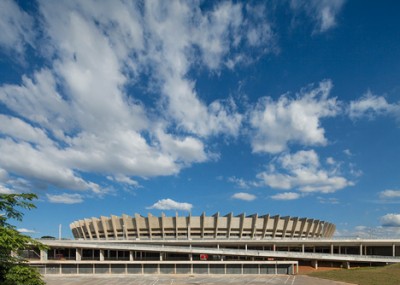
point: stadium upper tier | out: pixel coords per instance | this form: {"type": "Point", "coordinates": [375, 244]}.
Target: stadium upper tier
{"type": "Point", "coordinates": [200, 227]}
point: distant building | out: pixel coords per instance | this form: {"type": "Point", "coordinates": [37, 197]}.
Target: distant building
{"type": "Point", "coordinates": [205, 245]}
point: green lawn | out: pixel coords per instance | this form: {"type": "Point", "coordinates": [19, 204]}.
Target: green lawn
{"type": "Point", "coordinates": [385, 275]}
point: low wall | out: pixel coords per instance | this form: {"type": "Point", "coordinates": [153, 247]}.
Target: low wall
{"type": "Point", "coordinates": [281, 267]}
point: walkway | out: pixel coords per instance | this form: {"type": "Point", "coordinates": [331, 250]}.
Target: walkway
{"type": "Point", "coordinates": [188, 280]}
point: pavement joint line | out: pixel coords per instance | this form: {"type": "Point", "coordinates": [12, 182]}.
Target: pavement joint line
{"type": "Point", "coordinates": [287, 279]}
{"type": "Point", "coordinates": [268, 281]}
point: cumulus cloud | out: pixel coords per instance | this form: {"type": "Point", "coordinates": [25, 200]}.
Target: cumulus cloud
{"type": "Point", "coordinates": [286, 196]}
{"type": "Point", "coordinates": [292, 120]}
{"type": "Point", "coordinates": [169, 204]}
{"type": "Point", "coordinates": [323, 12]}
{"type": "Point", "coordinates": [370, 105]}
{"type": "Point", "coordinates": [390, 220]}
{"type": "Point", "coordinates": [389, 194]}
{"type": "Point", "coordinates": [303, 171]}
{"type": "Point", "coordinates": [244, 196]}
{"type": "Point", "coordinates": [65, 198]}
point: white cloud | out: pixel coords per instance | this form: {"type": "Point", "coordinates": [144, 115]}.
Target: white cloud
{"type": "Point", "coordinates": [302, 171]}
{"type": "Point", "coordinates": [390, 220]}
{"type": "Point", "coordinates": [368, 232]}
{"type": "Point", "coordinates": [187, 149]}
{"type": "Point", "coordinates": [261, 33]}
{"type": "Point", "coordinates": [322, 12]}
{"type": "Point", "coordinates": [173, 57]}
{"type": "Point", "coordinates": [328, 200]}
{"type": "Point", "coordinates": [5, 190]}
{"type": "Point", "coordinates": [37, 164]}
{"type": "Point", "coordinates": [241, 183]}
{"type": "Point", "coordinates": [16, 27]}
{"type": "Point", "coordinates": [3, 175]}
{"type": "Point", "coordinates": [371, 106]}
{"type": "Point", "coordinates": [244, 196]}
{"type": "Point", "coordinates": [38, 101]}
{"type": "Point", "coordinates": [292, 120]}
{"type": "Point", "coordinates": [78, 115]}
{"type": "Point", "coordinates": [124, 179]}
{"type": "Point", "coordinates": [65, 198]}
{"type": "Point", "coordinates": [331, 161]}
{"type": "Point", "coordinates": [10, 184]}
{"type": "Point", "coordinates": [168, 204]}
{"type": "Point", "coordinates": [389, 194]}
{"type": "Point", "coordinates": [286, 196]}
{"type": "Point", "coordinates": [20, 130]}
{"type": "Point", "coordinates": [347, 152]}
{"type": "Point", "coordinates": [26, 231]}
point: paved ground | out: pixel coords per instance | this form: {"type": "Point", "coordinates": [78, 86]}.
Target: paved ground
{"type": "Point", "coordinates": [188, 280]}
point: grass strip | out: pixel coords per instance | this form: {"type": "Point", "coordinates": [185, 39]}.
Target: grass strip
{"type": "Point", "coordinates": [383, 275]}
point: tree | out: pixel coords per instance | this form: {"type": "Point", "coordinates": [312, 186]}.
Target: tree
{"type": "Point", "coordinates": [14, 269]}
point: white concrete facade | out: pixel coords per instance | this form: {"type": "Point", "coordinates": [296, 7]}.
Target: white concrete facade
{"type": "Point", "coordinates": [200, 227]}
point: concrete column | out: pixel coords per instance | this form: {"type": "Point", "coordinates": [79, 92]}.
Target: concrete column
{"type": "Point", "coordinates": [274, 247]}
{"type": "Point", "coordinates": [361, 249]}
{"type": "Point", "coordinates": [101, 255]}
{"type": "Point", "coordinates": [340, 249]}
{"type": "Point", "coordinates": [78, 254]}
{"type": "Point", "coordinates": [43, 255]}
{"type": "Point", "coordinates": [14, 254]}
{"type": "Point", "coordinates": [245, 247]}
{"type": "Point", "coordinates": [161, 257]}
{"type": "Point", "coordinates": [393, 250]}
{"type": "Point", "coordinates": [302, 248]}
{"type": "Point", "coordinates": [131, 255]}
{"type": "Point", "coordinates": [190, 257]}
{"type": "Point", "coordinates": [331, 248]}
{"type": "Point", "coordinates": [314, 263]}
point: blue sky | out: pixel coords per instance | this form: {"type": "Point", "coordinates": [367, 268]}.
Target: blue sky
{"type": "Point", "coordinates": [280, 107]}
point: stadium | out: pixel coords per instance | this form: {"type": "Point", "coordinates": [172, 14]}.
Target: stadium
{"type": "Point", "coordinates": [228, 244]}
{"type": "Point", "coordinates": [214, 227]}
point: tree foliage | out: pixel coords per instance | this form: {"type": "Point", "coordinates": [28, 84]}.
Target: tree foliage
{"type": "Point", "coordinates": [13, 268]}
{"type": "Point", "coordinates": [9, 204]}
{"type": "Point", "coordinates": [22, 274]}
